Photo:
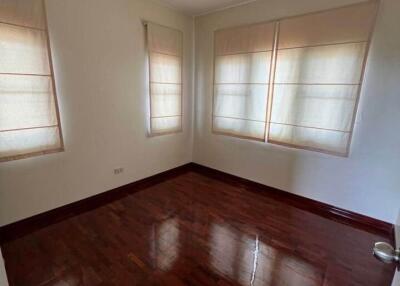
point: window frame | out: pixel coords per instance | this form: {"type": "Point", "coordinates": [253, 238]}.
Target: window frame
{"type": "Point", "coordinates": [61, 148]}
{"type": "Point", "coordinates": [150, 133]}
{"type": "Point", "coordinates": [270, 93]}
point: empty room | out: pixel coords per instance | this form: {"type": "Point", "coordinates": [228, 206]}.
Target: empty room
{"type": "Point", "coordinates": [200, 142]}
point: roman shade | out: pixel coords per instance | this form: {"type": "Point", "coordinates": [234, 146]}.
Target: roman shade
{"type": "Point", "coordinates": [165, 78]}
{"type": "Point", "coordinates": [29, 117]}
{"type": "Point", "coordinates": [241, 80]}
{"type": "Point", "coordinates": [294, 81]}
{"type": "Point", "coordinates": [319, 70]}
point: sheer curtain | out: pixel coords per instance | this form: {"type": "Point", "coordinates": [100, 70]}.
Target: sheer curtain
{"type": "Point", "coordinates": [29, 121]}
{"type": "Point", "coordinates": [241, 80]}
{"type": "Point", "coordinates": [319, 70]}
{"type": "Point", "coordinates": [165, 68]}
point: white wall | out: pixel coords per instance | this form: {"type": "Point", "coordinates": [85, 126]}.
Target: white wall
{"type": "Point", "coordinates": [3, 275]}
{"type": "Point", "coordinates": [99, 58]}
{"type": "Point", "coordinates": [367, 182]}
{"type": "Point", "coordinates": [99, 67]}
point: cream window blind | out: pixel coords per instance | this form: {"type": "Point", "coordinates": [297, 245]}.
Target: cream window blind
{"type": "Point", "coordinates": [241, 80]}
{"type": "Point", "coordinates": [317, 68]}
{"type": "Point", "coordinates": [29, 118]}
{"type": "Point", "coordinates": [165, 76]}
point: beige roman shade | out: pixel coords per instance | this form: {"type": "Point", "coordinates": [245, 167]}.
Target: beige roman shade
{"type": "Point", "coordinates": [165, 76]}
{"type": "Point", "coordinates": [295, 81]}
{"type": "Point", "coordinates": [29, 118]}
{"type": "Point", "coordinates": [319, 69]}
{"type": "Point", "coordinates": [241, 80]}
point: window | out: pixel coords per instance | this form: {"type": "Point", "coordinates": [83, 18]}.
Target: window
{"type": "Point", "coordinates": [314, 74]}
{"type": "Point", "coordinates": [29, 120]}
{"type": "Point", "coordinates": [165, 79]}
{"type": "Point", "coordinates": [241, 80]}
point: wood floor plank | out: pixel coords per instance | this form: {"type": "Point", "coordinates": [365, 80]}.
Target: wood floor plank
{"type": "Point", "coordinates": [195, 230]}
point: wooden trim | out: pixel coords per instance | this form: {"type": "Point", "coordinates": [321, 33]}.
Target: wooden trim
{"type": "Point", "coordinates": [49, 53]}
{"type": "Point", "coordinates": [214, 56]}
{"type": "Point", "coordinates": [29, 128]}
{"type": "Point", "coordinates": [237, 136]}
{"type": "Point", "coordinates": [23, 26]}
{"type": "Point", "coordinates": [148, 58]}
{"type": "Point", "coordinates": [20, 228]}
{"type": "Point", "coordinates": [29, 155]}
{"type": "Point", "coordinates": [307, 148]}
{"type": "Point", "coordinates": [24, 74]}
{"type": "Point", "coordinates": [166, 116]}
{"type": "Point", "coordinates": [169, 83]}
{"type": "Point", "coordinates": [213, 131]}
{"type": "Point", "coordinates": [364, 65]}
{"type": "Point", "coordinates": [337, 214]}
{"type": "Point", "coordinates": [156, 134]}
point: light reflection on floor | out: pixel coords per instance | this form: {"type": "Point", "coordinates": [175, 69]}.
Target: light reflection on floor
{"type": "Point", "coordinates": [194, 230]}
{"type": "Point", "coordinates": [236, 256]}
{"type": "Point", "coordinates": [166, 245]}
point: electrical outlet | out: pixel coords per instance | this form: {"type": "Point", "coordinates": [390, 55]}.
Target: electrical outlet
{"type": "Point", "coordinates": [118, 171]}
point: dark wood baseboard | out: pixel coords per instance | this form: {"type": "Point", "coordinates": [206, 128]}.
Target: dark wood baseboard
{"type": "Point", "coordinates": [331, 212]}
{"type": "Point", "coordinates": [20, 228]}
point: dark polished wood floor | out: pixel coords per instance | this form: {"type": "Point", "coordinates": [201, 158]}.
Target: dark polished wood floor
{"type": "Point", "coordinates": [195, 230]}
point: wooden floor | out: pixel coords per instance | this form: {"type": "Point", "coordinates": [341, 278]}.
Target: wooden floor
{"type": "Point", "coordinates": [195, 230]}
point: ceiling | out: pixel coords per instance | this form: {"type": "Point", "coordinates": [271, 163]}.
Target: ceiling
{"type": "Point", "coordinates": [198, 7]}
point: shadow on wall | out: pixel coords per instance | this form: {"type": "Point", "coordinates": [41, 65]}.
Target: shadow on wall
{"type": "Point", "coordinates": [357, 183]}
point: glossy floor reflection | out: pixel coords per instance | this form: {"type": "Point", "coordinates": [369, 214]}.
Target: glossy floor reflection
{"type": "Point", "coordinates": [195, 230]}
